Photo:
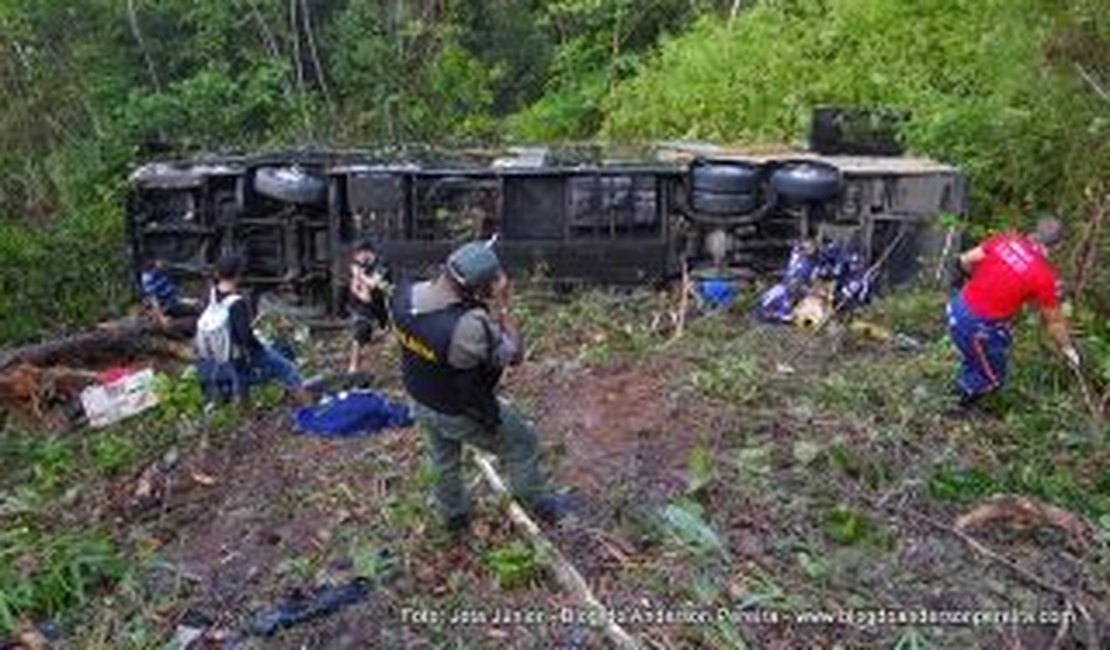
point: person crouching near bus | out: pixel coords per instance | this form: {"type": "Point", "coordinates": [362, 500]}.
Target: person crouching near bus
{"type": "Point", "coordinates": [457, 335]}
{"type": "Point", "coordinates": [369, 288]}
{"type": "Point", "coordinates": [227, 348]}
{"type": "Point", "coordinates": [161, 297]}
{"type": "Point", "coordinates": [999, 277]}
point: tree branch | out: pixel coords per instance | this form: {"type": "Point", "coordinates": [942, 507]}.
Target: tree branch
{"type": "Point", "coordinates": [734, 11]}
{"type": "Point", "coordinates": [565, 573]}
{"type": "Point", "coordinates": [309, 130]}
{"type": "Point", "coordinates": [307, 20]}
{"type": "Point", "coordinates": [1092, 82]}
{"type": "Point", "coordinates": [269, 41]}
{"type": "Point", "coordinates": [133, 20]}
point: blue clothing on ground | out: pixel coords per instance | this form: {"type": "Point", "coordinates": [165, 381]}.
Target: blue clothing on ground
{"type": "Point", "coordinates": [984, 346]}
{"type": "Point", "coordinates": [717, 293]}
{"type": "Point", "coordinates": [776, 304]}
{"type": "Point", "coordinates": [840, 264]}
{"type": "Point", "coordinates": [353, 413]}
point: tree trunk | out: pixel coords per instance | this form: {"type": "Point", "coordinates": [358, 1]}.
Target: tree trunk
{"type": "Point", "coordinates": [320, 79]}
{"type": "Point", "coordinates": [133, 20]}
{"type": "Point", "coordinates": [294, 28]}
{"type": "Point", "coordinates": [104, 345]}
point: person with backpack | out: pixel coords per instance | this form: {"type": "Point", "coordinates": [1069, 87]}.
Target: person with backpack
{"type": "Point", "coordinates": [369, 285]}
{"type": "Point", "coordinates": [457, 335]}
{"type": "Point", "coordinates": [225, 338]}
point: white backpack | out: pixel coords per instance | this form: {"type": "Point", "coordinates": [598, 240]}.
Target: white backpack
{"type": "Point", "coordinates": [213, 338]}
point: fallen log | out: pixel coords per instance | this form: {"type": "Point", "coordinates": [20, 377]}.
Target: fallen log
{"type": "Point", "coordinates": [565, 573]}
{"type": "Point", "coordinates": [31, 393]}
{"type": "Point", "coordinates": [1026, 515]}
{"type": "Point", "coordinates": [107, 343]}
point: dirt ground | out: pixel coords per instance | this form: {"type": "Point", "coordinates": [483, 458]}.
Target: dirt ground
{"type": "Point", "coordinates": [805, 512]}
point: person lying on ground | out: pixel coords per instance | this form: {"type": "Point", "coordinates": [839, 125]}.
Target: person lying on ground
{"type": "Point", "coordinates": [225, 335]}
{"type": "Point", "coordinates": [161, 297]}
{"type": "Point", "coordinates": [369, 285]}
{"type": "Point", "coordinates": [998, 278]}
{"type": "Point", "coordinates": [457, 335]}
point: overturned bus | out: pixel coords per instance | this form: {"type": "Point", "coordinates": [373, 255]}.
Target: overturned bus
{"type": "Point", "coordinates": [569, 218]}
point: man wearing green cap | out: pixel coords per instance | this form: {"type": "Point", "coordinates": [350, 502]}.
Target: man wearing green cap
{"type": "Point", "coordinates": [457, 335]}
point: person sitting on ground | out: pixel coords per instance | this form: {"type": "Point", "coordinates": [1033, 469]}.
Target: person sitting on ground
{"type": "Point", "coordinates": [160, 295]}
{"type": "Point", "coordinates": [225, 335]}
{"type": "Point", "coordinates": [998, 278]}
{"type": "Point", "coordinates": [457, 335]}
{"type": "Point", "coordinates": [368, 293]}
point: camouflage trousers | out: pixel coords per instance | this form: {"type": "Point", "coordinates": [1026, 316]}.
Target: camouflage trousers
{"type": "Point", "coordinates": [514, 442]}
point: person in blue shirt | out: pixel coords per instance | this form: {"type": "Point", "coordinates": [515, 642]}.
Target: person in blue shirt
{"type": "Point", "coordinates": [161, 296]}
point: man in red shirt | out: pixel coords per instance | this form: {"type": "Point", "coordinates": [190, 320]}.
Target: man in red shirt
{"type": "Point", "coordinates": [1002, 274]}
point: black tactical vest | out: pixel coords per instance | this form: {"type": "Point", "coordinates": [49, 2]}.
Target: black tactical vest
{"type": "Point", "coordinates": [428, 376]}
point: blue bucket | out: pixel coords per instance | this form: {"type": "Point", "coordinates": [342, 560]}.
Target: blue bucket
{"type": "Point", "coordinates": [717, 293]}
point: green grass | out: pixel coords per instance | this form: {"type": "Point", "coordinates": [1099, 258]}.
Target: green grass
{"type": "Point", "coordinates": [113, 452]}
{"type": "Point", "coordinates": [42, 575]}
{"type": "Point", "coordinates": [813, 448]}
{"type": "Point", "coordinates": [514, 565]}
{"type": "Point", "coordinates": [55, 557]}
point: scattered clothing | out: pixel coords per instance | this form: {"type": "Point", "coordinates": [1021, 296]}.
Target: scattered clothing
{"type": "Point", "coordinates": [352, 413]}
{"type": "Point", "coordinates": [839, 265]}
{"type": "Point", "coordinates": [716, 294]}
{"type": "Point", "coordinates": [845, 267]}
{"type": "Point", "coordinates": [322, 602]}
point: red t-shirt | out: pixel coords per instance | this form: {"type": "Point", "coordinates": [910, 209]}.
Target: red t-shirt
{"type": "Point", "coordinates": [1013, 272]}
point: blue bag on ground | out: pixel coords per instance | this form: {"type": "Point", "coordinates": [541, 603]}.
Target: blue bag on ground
{"type": "Point", "coordinates": [352, 413]}
{"type": "Point", "coordinates": [717, 293]}
{"type": "Point", "coordinates": [321, 603]}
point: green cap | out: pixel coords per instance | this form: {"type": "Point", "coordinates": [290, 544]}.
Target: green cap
{"type": "Point", "coordinates": [474, 265]}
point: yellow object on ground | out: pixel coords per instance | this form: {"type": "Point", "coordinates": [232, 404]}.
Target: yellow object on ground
{"type": "Point", "coordinates": [871, 330]}
{"type": "Point", "coordinates": [816, 307]}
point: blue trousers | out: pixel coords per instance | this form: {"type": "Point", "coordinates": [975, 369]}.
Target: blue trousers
{"type": "Point", "coordinates": [271, 365]}
{"type": "Point", "coordinates": [984, 346]}
{"type": "Point", "coordinates": [234, 379]}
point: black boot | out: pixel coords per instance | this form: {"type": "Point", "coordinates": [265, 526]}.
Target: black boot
{"type": "Point", "coordinates": [553, 508]}
{"type": "Point", "coordinates": [967, 405]}
{"type": "Point", "coordinates": [458, 526]}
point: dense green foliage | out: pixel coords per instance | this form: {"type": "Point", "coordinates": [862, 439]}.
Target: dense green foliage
{"type": "Point", "coordinates": [1008, 89]}
{"type": "Point", "coordinates": [990, 86]}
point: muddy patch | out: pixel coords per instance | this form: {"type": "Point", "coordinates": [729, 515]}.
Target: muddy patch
{"type": "Point", "coordinates": [613, 428]}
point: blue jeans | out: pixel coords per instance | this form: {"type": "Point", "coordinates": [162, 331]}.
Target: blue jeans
{"type": "Point", "coordinates": [984, 346]}
{"type": "Point", "coordinates": [269, 366]}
